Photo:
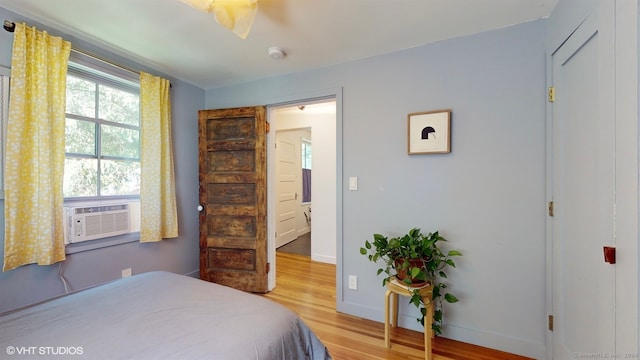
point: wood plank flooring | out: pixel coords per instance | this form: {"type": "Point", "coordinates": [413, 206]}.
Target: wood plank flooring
{"type": "Point", "coordinates": [308, 288]}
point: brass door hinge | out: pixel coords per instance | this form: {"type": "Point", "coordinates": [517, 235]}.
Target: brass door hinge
{"type": "Point", "coordinates": [552, 94]}
{"type": "Point", "coordinates": [268, 267]}
{"type": "Point", "coordinates": [268, 126]}
{"type": "Point", "coordinates": [550, 322]}
{"type": "Point", "coordinates": [550, 208]}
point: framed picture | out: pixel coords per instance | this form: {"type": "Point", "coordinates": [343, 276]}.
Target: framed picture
{"type": "Point", "coordinates": [429, 132]}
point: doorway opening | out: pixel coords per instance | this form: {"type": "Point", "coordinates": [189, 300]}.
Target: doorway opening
{"type": "Point", "coordinates": [293, 190]}
{"type": "Point", "coordinates": [302, 160]}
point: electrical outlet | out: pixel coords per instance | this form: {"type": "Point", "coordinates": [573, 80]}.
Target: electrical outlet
{"type": "Point", "coordinates": [126, 272]}
{"type": "Point", "coordinates": [353, 282]}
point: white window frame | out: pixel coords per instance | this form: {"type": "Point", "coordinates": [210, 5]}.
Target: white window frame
{"type": "Point", "coordinates": [118, 76]}
{"type": "Point", "coordinates": [93, 69]}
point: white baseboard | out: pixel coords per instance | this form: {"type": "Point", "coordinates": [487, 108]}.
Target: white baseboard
{"type": "Point", "coordinates": [323, 258]}
{"type": "Point", "coordinates": [502, 342]}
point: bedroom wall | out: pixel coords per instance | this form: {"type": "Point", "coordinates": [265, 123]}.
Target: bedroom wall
{"type": "Point", "coordinates": [32, 283]}
{"type": "Point", "coordinates": [487, 197]}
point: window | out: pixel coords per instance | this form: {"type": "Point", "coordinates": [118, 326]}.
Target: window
{"type": "Point", "coordinates": [102, 135]}
{"type": "Point", "coordinates": [102, 142]}
{"type": "Point", "coordinates": [306, 170]}
{"type": "Point", "coordinates": [306, 154]}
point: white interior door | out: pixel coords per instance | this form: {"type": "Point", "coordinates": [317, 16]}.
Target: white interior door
{"type": "Point", "coordinates": [286, 190]}
{"type": "Point", "coordinates": [583, 181]}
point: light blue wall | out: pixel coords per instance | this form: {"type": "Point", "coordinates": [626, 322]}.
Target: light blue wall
{"type": "Point", "coordinates": [487, 196]}
{"type": "Point", "coordinates": [32, 283]}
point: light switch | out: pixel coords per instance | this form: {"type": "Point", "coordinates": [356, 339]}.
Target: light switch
{"type": "Point", "coordinates": [353, 183]}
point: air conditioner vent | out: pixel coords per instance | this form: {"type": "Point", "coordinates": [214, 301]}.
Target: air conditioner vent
{"type": "Point", "coordinates": [96, 222]}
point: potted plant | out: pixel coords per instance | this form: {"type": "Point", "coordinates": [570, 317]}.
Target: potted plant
{"type": "Point", "coordinates": [416, 260]}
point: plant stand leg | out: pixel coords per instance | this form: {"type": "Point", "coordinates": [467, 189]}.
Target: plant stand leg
{"type": "Point", "coordinates": [387, 305]}
{"type": "Point", "coordinates": [394, 309]}
{"type": "Point", "coordinates": [428, 331]}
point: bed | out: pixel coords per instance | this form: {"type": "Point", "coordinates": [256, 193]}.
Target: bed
{"type": "Point", "coordinates": [159, 315]}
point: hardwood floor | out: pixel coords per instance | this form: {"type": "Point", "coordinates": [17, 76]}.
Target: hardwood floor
{"type": "Point", "coordinates": [308, 288]}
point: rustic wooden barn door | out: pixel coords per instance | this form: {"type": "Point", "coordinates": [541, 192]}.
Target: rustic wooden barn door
{"type": "Point", "coordinates": [233, 223]}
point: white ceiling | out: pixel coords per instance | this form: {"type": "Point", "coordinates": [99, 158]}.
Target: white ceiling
{"type": "Point", "coordinates": [185, 43]}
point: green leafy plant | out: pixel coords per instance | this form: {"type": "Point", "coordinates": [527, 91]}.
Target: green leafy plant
{"type": "Point", "coordinates": [421, 259]}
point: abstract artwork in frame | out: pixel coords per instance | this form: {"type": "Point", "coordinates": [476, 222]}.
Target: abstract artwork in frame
{"type": "Point", "coordinates": [429, 132]}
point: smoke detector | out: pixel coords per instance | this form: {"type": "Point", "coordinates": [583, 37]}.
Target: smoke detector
{"type": "Point", "coordinates": [276, 53]}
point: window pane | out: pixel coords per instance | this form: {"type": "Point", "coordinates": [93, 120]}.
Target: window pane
{"type": "Point", "coordinates": [120, 142]}
{"type": "Point", "coordinates": [81, 97]}
{"type": "Point", "coordinates": [102, 121]}
{"type": "Point", "coordinates": [306, 155]}
{"type": "Point", "coordinates": [80, 177]}
{"type": "Point", "coordinates": [80, 137]}
{"type": "Point", "coordinates": [119, 106]}
{"type": "Point", "coordinates": [119, 177]}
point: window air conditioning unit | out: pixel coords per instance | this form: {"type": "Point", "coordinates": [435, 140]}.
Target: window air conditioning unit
{"type": "Point", "coordinates": [95, 222]}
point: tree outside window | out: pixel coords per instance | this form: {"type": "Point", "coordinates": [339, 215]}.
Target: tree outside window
{"type": "Point", "coordinates": [102, 136]}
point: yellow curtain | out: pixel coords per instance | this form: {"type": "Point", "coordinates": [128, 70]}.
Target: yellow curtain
{"type": "Point", "coordinates": [159, 218]}
{"type": "Point", "coordinates": [34, 163]}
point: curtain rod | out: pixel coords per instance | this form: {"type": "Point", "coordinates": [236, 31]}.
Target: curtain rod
{"type": "Point", "coordinates": [10, 26]}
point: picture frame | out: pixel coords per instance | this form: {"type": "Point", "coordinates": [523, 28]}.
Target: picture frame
{"type": "Point", "coordinates": [429, 132]}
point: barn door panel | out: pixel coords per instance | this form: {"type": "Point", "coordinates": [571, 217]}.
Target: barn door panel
{"type": "Point", "coordinates": [233, 227]}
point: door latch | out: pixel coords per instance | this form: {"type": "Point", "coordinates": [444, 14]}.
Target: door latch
{"type": "Point", "coordinates": [609, 254]}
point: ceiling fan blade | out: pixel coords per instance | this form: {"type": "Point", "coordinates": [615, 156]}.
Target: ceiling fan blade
{"type": "Point", "coordinates": [235, 15]}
